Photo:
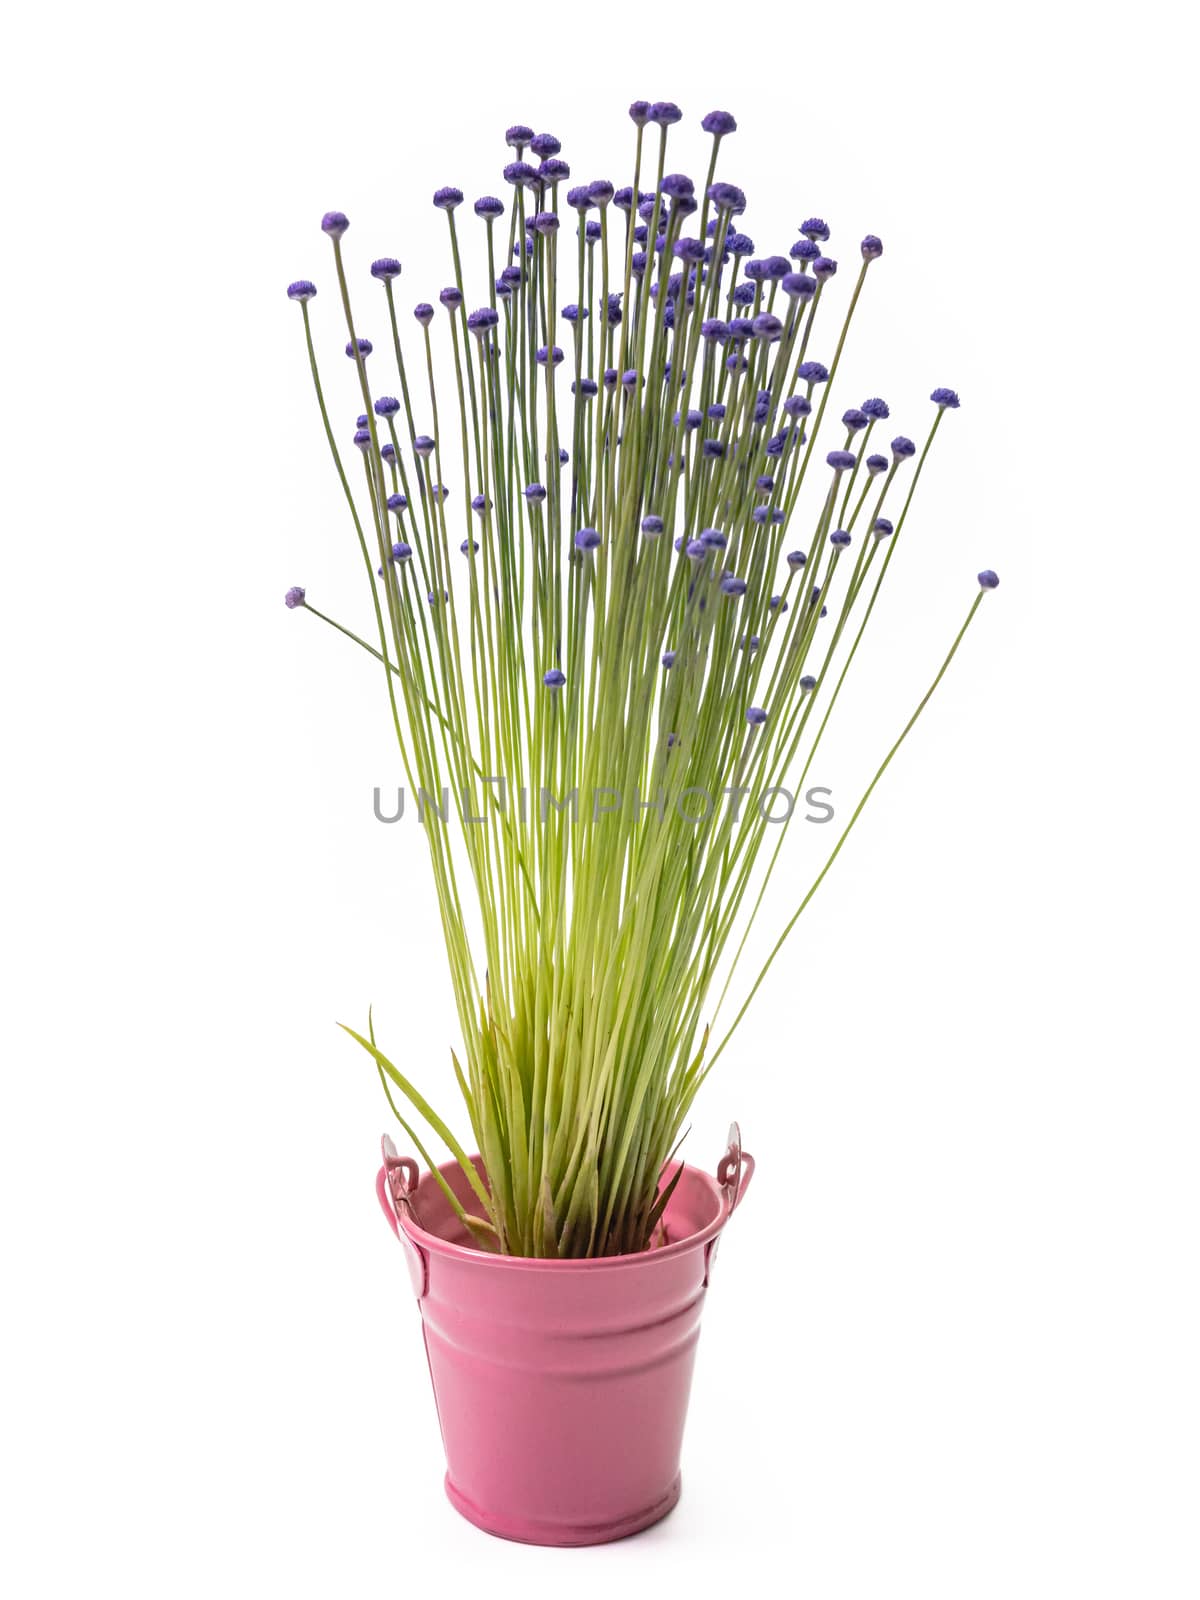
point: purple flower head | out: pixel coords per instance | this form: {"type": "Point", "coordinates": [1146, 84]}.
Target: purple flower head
{"type": "Point", "coordinates": [587, 539]}
{"type": "Point", "coordinates": [423, 446]}
{"type": "Point", "coordinates": [518, 136]}
{"type": "Point", "coordinates": [610, 380]}
{"type": "Point", "coordinates": [401, 552]}
{"type": "Point", "coordinates": [987, 580]}
{"type": "Point", "coordinates": [756, 716]}
{"type": "Point", "coordinates": [854, 419]}
{"type": "Point", "coordinates": [690, 250]}
{"type": "Point", "coordinates": [799, 286]}
{"type": "Point", "coordinates": [432, 598]}
{"type": "Point", "coordinates": [778, 603]}
{"type": "Point", "coordinates": [815, 228]}
{"type": "Point", "coordinates": [823, 268]}
{"type": "Point", "coordinates": [481, 503]}
{"type": "Point", "coordinates": [764, 484]}
{"type": "Point", "coordinates": [678, 185]}
{"type": "Point", "coordinates": [639, 111]}
{"type": "Point", "coordinates": [553, 170]}
{"type": "Point", "coordinates": [362, 439]}
{"type": "Point", "coordinates": [652, 526]}
{"type": "Point", "coordinates": [735, 587]}
{"type": "Point", "coordinates": [587, 387]}
{"type": "Point", "coordinates": [629, 378]}
{"type": "Point", "coordinates": [740, 244]}
{"type": "Point", "coordinates": [388, 453]}
{"type": "Point", "coordinates": [719, 123]}
{"type": "Point", "coordinates": [877, 409]}
{"type": "Point", "coordinates": [767, 326]}
{"type": "Point", "coordinates": [482, 322]}
{"type": "Point", "coordinates": [638, 263]}
{"type": "Point", "coordinates": [741, 328]}
{"type": "Point", "coordinates": [796, 559]}
{"type": "Point", "coordinates": [623, 199]}
{"type": "Point", "coordinates": [301, 290]}
{"type": "Point", "coordinates": [668, 659]}
{"type": "Point", "coordinates": [761, 515]}
{"type": "Point", "coordinates": [451, 297]}
{"type": "Point", "coordinates": [797, 405]}
{"type": "Point", "coordinates": [903, 448]}
{"type": "Point", "coordinates": [469, 547]}
{"type": "Point", "coordinates": [695, 550]}
{"type": "Point", "coordinates": [423, 313]}
{"type": "Point", "coordinates": [520, 174]}
{"type": "Point", "coordinates": [600, 191]}
{"type": "Point", "coordinates": [440, 492]}
{"type": "Point", "coordinates": [750, 644]}
{"type": "Point", "coordinates": [544, 222]}
{"type": "Point", "coordinates": [512, 276]}
{"type": "Point", "coordinates": [293, 598]}
{"type": "Point", "coordinates": [812, 372]}
{"type": "Point", "coordinates": [613, 311]}
{"type": "Point", "coordinates": [716, 412]}
{"type": "Point", "coordinates": [554, 679]}
{"type": "Point", "coordinates": [713, 539]}
{"type": "Point", "coordinates": [881, 528]}
{"type": "Point", "coordinates": [386, 268]}
{"type": "Point", "coordinates": [488, 207]}
{"type": "Point", "coordinates": [841, 460]}
{"type": "Point", "coordinates": [877, 464]}
{"type": "Point", "coordinates": [545, 144]}
{"type": "Point", "coordinates": [872, 247]}
{"type": "Point", "coordinates": [714, 330]}
{"type": "Point", "coordinates": [364, 348]}
{"type": "Point", "coordinates": [572, 313]}
{"type": "Point", "coordinates": [728, 197]}
{"type": "Point", "coordinates": [446, 199]}
{"type": "Point", "coordinates": [386, 406]}
{"type": "Point", "coordinates": [804, 250]}
{"type": "Point", "coordinates": [744, 295]}
{"type": "Point", "coordinates": [807, 683]}
{"type": "Point", "coordinates": [840, 540]}
{"type": "Point", "coordinates": [534, 493]}
{"type": "Point", "coordinates": [945, 399]}
{"type": "Point", "coordinates": [335, 223]}
{"type": "Point", "coordinates": [397, 503]}
{"type": "Point", "coordinates": [503, 290]}
{"type": "Point", "coordinates": [545, 355]}
{"type": "Point", "coordinates": [665, 113]}
{"type": "Point", "coordinates": [713, 449]}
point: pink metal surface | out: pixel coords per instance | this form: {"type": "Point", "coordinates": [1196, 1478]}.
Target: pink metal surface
{"type": "Point", "coordinates": [561, 1386]}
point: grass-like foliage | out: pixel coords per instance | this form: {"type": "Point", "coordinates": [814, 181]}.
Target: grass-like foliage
{"type": "Point", "coordinates": [639, 639]}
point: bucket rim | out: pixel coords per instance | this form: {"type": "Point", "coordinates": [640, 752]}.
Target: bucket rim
{"type": "Point", "coordinates": [639, 1259]}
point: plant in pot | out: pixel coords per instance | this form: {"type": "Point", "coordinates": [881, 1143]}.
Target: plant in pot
{"type": "Point", "coordinates": [609, 656]}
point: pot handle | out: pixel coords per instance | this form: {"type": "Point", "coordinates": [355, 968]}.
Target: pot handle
{"type": "Point", "coordinates": [394, 1184]}
{"type": "Point", "coordinates": [735, 1170]}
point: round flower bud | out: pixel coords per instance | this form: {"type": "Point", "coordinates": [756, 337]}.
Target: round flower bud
{"type": "Point", "coordinates": [719, 123]}
{"type": "Point", "coordinates": [293, 598]}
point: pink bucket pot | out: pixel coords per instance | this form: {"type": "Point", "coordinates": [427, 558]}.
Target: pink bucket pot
{"type": "Point", "coordinates": [561, 1386]}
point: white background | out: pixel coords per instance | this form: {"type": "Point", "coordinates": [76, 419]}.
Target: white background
{"type": "Point", "coordinates": [951, 1345]}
